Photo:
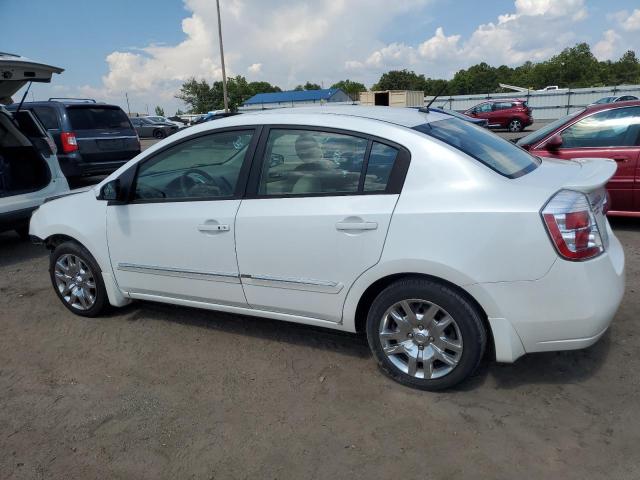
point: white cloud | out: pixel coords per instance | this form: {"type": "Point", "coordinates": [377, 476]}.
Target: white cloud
{"type": "Point", "coordinates": [631, 23]}
{"type": "Point", "coordinates": [254, 68]}
{"type": "Point", "coordinates": [606, 48]}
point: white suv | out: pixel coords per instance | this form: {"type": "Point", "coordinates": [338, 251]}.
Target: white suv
{"type": "Point", "coordinates": [433, 235]}
{"type": "Point", "coordinates": [29, 168]}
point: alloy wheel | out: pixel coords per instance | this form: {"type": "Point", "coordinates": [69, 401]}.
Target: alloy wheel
{"type": "Point", "coordinates": [420, 339]}
{"type": "Point", "coordinates": [515, 126]}
{"type": "Point", "coordinates": [75, 282]}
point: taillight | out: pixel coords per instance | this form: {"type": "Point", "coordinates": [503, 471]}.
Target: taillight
{"type": "Point", "coordinates": [572, 226]}
{"type": "Point", "coordinates": [69, 142]}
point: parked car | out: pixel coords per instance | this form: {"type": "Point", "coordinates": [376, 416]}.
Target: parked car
{"type": "Point", "coordinates": [481, 122]}
{"type": "Point", "coordinates": [92, 138]}
{"type": "Point", "coordinates": [609, 130]}
{"type": "Point", "coordinates": [161, 119]}
{"type": "Point", "coordinates": [438, 239]}
{"type": "Point", "coordinates": [29, 169]}
{"type": "Point", "coordinates": [614, 99]}
{"type": "Point", "coordinates": [217, 115]}
{"type": "Point", "coordinates": [146, 128]}
{"type": "Point", "coordinates": [514, 115]}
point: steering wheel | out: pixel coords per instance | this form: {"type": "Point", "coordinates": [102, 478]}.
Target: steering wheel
{"type": "Point", "coordinates": [197, 179]}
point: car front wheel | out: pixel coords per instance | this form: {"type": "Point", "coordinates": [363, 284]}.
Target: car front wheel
{"type": "Point", "coordinates": [159, 134]}
{"type": "Point", "coordinates": [77, 280]}
{"type": "Point", "coordinates": [425, 334]}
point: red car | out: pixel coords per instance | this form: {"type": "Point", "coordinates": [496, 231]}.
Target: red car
{"type": "Point", "coordinates": [602, 131]}
{"type": "Point", "coordinates": [512, 114]}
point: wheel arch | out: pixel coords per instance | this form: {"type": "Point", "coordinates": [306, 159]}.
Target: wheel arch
{"type": "Point", "coordinates": [374, 289]}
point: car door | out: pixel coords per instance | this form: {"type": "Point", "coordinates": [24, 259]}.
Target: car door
{"type": "Point", "coordinates": [312, 222]}
{"type": "Point", "coordinates": [485, 110]}
{"type": "Point", "coordinates": [175, 237]}
{"type": "Point", "coordinates": [610, 134]}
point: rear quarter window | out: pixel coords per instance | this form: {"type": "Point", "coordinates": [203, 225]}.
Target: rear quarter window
{"type": "Point", "coordinates": [97, 118]}
{"type": "Point", "coordinates": [486, 147]}
{"type": "Point", "coordinates": [48, 117]}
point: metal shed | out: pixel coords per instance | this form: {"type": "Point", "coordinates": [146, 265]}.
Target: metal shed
{"type": "Point", "coordinates": [393, 98]}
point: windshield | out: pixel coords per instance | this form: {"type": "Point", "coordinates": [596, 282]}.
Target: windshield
{"type": "Point", "coordinates": [486, 147]}
{"type": "Point", "coordinates": [539, 134]}
{"type": "Point", "coordinates": [605, 100]}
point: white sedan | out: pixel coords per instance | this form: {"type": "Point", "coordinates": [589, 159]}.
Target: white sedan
{"type": "Point", "coordinates": [435, 237]}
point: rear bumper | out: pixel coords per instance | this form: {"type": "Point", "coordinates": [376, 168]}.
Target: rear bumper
{"type": "Point", "coordinates": [73, 165]}
{"type": "Point", "coordinates": [569, 308]}
{"type": "Point", "coordinates": [15, 219]}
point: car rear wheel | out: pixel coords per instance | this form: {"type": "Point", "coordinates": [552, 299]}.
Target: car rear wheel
{"type": "Point", "coordinates": [159, 134]}
{"type": "Point", "coordinates": [515, 125]}
{"type": "Point", "coordinates": [424, 334]}
{"type": "Point", "coordinates": [77, 280]}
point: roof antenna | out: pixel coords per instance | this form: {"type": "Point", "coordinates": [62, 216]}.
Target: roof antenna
{"type": "Point", "coordinates": [426, 109]}
{"type": "Point", "coordinates": [24, 96]}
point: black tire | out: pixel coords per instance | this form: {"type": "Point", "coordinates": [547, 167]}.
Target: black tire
{"type": "Point", "coordinates": [159, 134]}
{"type": "Point", "coordinates": [101, 302]}
{"type": "Point", "coordinates": [465, 314]}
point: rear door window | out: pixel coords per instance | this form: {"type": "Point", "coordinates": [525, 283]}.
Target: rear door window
{"type": "Point", "coordinates": [97, 118]}
{"type": "Point", "coordinates": [486, 147]}
{"type": "Point", "coordinates": [381, 162]}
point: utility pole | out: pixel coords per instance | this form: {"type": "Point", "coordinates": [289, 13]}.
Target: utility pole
{"type": "Point", "coordinates": [224, 75]}
{"type": "Point", "coordinates": [128, 107]}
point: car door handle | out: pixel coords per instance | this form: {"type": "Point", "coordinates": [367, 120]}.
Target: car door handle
{"type": "Point", "coordinates": [349, 226]}
{"type": "Point", "coordinates": [213, 227]}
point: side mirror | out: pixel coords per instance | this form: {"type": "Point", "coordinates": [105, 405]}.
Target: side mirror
{"type": "Point", "coordinates": [111, 192]}
{"type": "Point", "coordinates": [554, 142]}
{"type": "Point", "coordinates": [276, 159]}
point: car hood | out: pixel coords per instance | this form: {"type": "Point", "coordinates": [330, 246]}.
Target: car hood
{"type": "Point", "coordinates": [16, 71]}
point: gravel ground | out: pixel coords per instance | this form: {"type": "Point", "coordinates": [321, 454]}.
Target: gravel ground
{"type": "Point", "coordinates": [154, 391]}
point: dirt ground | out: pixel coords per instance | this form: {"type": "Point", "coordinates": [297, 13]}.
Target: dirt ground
{"type": "Point", "coordinates": [154, 391]}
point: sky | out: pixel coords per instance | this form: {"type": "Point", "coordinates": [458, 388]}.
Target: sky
{"type": "Point", "coordinates": [148, 48]}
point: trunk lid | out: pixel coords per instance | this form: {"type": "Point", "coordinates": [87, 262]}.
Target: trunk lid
{"type": "Point", "coordinates": [103, 132]}
{"type": "Point", "coordinates": [16, 71]}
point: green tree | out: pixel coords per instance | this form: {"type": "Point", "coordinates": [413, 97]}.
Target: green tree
{"type": "Point", "coordinates": [400, 80]}
{"type": "Point", "coordinates": [202, 97]}
{"type": "Point", "coordinates": [159, 111]}
{"type": "Point", "coordinates": [350, 87]}
{"type": "Point", "coordinates": [308, 86]}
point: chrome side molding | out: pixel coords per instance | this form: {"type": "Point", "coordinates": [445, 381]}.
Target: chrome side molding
{"type": "Point", "coordinates": [226, 277]}
{"type": "Point", "coordinates": [307, 284]}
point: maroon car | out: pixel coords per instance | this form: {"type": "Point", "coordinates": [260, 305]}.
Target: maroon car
{"type": "Point", "coordinates": [602, 131]}
{"type": "Point", "coordinates": [512, 114]}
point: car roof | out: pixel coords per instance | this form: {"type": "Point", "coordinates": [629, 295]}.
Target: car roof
{"type": "Point", "coordinates": [406, 117]}
{"type": "Point", "coordinates": [608, 106]}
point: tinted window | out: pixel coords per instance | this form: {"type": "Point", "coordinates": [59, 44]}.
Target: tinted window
{"type": "Point", "coordinates": [619, 127]}
{"type": "Point", "coordinates": [90, 118]}
{"type": "Point", "coordinates": [204, 167]}
{"type": "Point", "coordinates": [302, 162]}
{"type": "Point", "coordinates": [496, 153]}
{"type": "Point", "coordinates": [485, 107]}
{"type": "Point", "coordinates": [48, 117]}
{"type": "Point", "coordinates": [503, 105]}
{"type": "Point", "coordinates": [379, 167]}
{"type": "Point", "coordinates": [539, 134]}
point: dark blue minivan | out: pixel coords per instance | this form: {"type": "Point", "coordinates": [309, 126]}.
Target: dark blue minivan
{"type": "Point", "coordinates": [92, 138]}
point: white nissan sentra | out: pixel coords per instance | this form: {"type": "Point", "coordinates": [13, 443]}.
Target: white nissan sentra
{"type": "Point", "coordinates": [437, 238]}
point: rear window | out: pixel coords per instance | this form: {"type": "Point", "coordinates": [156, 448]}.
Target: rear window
{"type": "Point", "coordinates": [96, 118]}
{"type": "Point", "coordinates": [486, 147]}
